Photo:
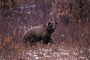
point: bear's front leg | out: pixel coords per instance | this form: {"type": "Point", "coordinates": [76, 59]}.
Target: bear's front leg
{"type": "Point", "coordinates": [51, 41]}
{"type": "Point", "coordinates": [47, 40]}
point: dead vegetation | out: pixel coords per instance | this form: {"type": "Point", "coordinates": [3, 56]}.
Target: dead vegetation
{"type": "Point", "coordinates": [72, 35]}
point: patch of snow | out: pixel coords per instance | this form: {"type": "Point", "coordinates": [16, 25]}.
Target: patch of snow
{"type": "Point", "coordinates": [89, 49]}
{"type": "Point", "coordinates": [61, 49]}
{"type": "Point", "coordinates": [30, 6]}
{"type": "Point", "coordinates": [36, 57]}
{"type": "Point", "coordinates": [81, 57]}
{"type": "Point", "coordinates": [47, 56]}
{"type": "Point", "coordinates": [74, 58]}
{"type": "Point", "coordinates": [50, 50]}
{"type": "Point", "coordinates": [28, 12]}
{"type": "Point", "coordinates": [28, 58]}
{"type": "Point", "coordinates": [21, 7]}
{"type": "Point", "coordinates": [64, 50]}
{"type": "Point", "coordinates": [20, 11]}
{"type": "Point", "coordinates": [33, 6]}
{"type": "Point", "coordinates": [28, 53]}
{"type": "Point", "coordinates": [60, 59]}
{"type": "Point", "coordinates": [64, 53]}
{"type": "Point", "coordinates": [56, 54]}
{"type": "Point", "coordinates": [74, 53]}
{"type": "Point", "coordinates": [81, 51]}
{"type": "Point", "coordinates": [45, 49]}
{"type": "Point", "coordinates": [33, 52]}
{"type": "Point", "coordinates": [2, 59]}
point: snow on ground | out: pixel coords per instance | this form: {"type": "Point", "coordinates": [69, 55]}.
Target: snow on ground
{"type": "Point", "coordinates": [59, 55]}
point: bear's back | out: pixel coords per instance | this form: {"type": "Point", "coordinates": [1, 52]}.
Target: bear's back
{"type": "Point", "coordinates": [38, 31]}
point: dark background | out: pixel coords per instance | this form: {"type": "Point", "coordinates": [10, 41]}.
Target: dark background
{"type": "Point", "coordinates": [72, 35]}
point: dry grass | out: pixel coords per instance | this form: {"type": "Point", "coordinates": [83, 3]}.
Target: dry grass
{"type": "Point", "coordinates": [72, 40]}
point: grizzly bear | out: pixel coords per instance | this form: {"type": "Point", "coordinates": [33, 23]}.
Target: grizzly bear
{"type": "Point", "coordinates": [41, 33]}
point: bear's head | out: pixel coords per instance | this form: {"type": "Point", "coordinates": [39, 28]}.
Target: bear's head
{"type": "Point", "coordinates": [51, 26]}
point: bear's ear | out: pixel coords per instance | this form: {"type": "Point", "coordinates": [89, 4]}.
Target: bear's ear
{"type": "Point", "coordinates": [55, 22]}
{"type": "Point", "coordinates": [49, 23]}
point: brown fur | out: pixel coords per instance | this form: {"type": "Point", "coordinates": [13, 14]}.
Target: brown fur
{"type": "Point", "coordinates": [39, 33]}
